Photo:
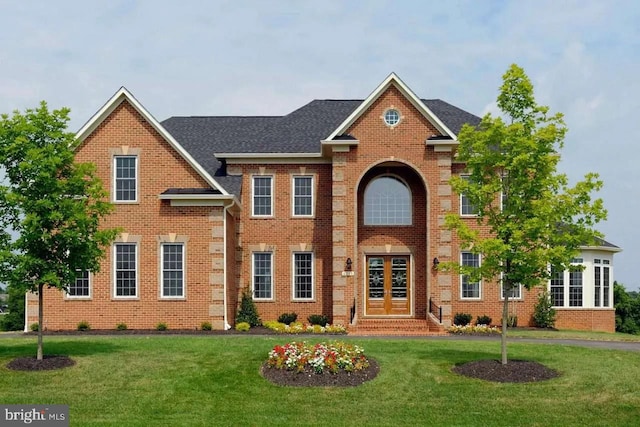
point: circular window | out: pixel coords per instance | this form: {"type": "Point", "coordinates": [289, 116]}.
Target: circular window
{"type": "Point", "coordinates": [391, 117]}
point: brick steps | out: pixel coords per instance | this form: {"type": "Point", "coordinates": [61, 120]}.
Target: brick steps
{"type": "Point", "coordinates": [396, 327]}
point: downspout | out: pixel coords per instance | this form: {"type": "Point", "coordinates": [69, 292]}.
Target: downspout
{"type": "Point", "coordinates": [227, 326]}
{"type": "Point", "coordinates": [26, 312]}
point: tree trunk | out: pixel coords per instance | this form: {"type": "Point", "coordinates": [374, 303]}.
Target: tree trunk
{"type": "Point", "coordinates": [505, 320]}
{"type": "Point", "coordinates": [40, 311]}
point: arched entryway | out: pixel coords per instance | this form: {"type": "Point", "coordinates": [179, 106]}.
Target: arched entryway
{"type": "Point", "coordinates": [392, 242]}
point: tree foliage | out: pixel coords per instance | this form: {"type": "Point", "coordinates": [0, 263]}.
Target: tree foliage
{"type": "Point", "coordinates": [627, 306]}
{"type": "Point", "coordinates": [54, 204]}
{"type": "Point", "coordinates": [539, 220]}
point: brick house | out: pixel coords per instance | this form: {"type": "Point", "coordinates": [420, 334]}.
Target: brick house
{"type": "Point", "coordinates": [336, 208]}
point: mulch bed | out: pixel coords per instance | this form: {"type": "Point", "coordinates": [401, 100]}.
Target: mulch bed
{"type": "Point", "coordinates": [48, 362]}
{"type": "Point", "coordinates": [309, 378]}
{"type": "Point", "coordinates": [515, 371]}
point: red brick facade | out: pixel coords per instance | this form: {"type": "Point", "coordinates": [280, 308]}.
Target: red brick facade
{"type": "Point", "coordinates": [221, 237]}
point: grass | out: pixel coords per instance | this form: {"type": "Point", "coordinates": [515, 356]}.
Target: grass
{"type": "Point", "coordinates": [204, 380]}
{"type": "Point", "coordinates": [568, 334]}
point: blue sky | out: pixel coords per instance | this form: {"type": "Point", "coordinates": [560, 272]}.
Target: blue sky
{"type": "Point", "coordinates": [270, 57]}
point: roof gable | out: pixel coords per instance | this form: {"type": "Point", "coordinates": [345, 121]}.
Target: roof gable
{"type": "Point", "coordinates": [394, 80]}
{"type": "Point", "coordinates": [123, 95]}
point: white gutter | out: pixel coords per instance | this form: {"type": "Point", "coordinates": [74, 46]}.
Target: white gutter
{"type": "Point", "coordinates": [26, 312]}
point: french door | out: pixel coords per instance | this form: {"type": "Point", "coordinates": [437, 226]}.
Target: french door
{"type": "Point", "coordinates": [388, 285]}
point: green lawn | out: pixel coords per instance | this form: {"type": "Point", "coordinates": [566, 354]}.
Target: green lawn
{"type": "Point", "coordinates": [213, 380]}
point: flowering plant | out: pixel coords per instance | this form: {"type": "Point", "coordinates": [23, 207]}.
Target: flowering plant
{"type": "Point", "coordinates": [299, 328]}
{"type": "Point", "coordinates": [476, 329]}
{"type": "Point", "coordinates": [321, 357]}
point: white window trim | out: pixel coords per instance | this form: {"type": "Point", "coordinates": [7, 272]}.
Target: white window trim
{"type": "Point", "coordinates": [479, 297]}
{"type": "Point", "coordinates": [384, 117]}
{"type": "Point", "coordinates": [519, 287]}
{"type": "Point", "coordinates": [114, 198]}
{"type": "Point", "coordinates": [90, 279]}
{"type": "Point", "coordinates": [253, 276]}
{"type": "Point", "coordinates": [114, 268]}
{"type": "Point", "coordinates": [403, 182]}
{"type": "Point", "coordinates": [293, 276]}
{"type": "Point", "coordinates": [253, 181]}
{"type": "Point", "coordinates": [465, 176]}
{"type": "Point", "coordinates": [184, 273]}
{"type": "Point", "coordinates": [293, 195]}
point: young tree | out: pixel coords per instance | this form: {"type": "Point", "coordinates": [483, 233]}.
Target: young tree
{"type": "Point", "coordinates": [53, 204]}
{"type": "Point", "coordinates": [528, 217]}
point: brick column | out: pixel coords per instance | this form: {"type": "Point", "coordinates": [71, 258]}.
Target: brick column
{"type": "Point", "coordinates": [443, 203]}
{"type": "Point", "coordinates": [338, 229]}
{"type": "Point", "coordinates": [216, 277]}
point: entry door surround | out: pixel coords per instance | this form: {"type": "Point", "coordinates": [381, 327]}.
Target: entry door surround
{"type": "Point", "coordinates": [387, 289]}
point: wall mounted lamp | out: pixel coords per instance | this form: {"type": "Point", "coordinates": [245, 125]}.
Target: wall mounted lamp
{"type": "Point", "coordinates": [347, 264]}
{"type": "Point", "coordinates": [436, 261]}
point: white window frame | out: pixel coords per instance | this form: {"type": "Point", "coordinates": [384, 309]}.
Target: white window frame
{"type": "Point", "coordinates": [295, 196]}
{"type": "Point", "coordinates": [517, 288]}
{"type": "Point", "coordinates": [366, 221]}
{"type": "Point", "coordinates": [271, 196]}
{"type": "Point", "coordinates": [115, 198]}
{"type": "Point", "coordinates": [163, 270]}
{"type": "Point", "coordinates": [386, 117]}
{"type": "Point", "coordinates": [462, 278]}
{"type": "Point", "coordinates": [271, 276]}
{"type": "Point", "coordinates": [464, 197]}
{"type": "Point", "coordinates": [294, 276]}
{"type": "Point", "coordinates": [89, 285]}
{"type": "Point", "coordinates": [115, 271]}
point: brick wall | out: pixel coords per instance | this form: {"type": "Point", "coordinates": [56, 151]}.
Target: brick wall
{"type": "Point", "coordinates": [147, 221]}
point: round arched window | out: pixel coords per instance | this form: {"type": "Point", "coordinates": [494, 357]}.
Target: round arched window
{"type": "Point", "coordinates": [391, 117]}
{"type": "Point", "coordinates": [387, 201]}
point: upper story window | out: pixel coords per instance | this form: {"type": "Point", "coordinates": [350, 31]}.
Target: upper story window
{"type": "Point", "coordinates": [387, 201]}
{"type": "Point", "coordinates": [125, 178]}
{"type": "Point", "coordinates": [303, 195]}
{"type": "Point", "coordinates": [466, 208]}
{"type": "Point", "coordinates": [391, 117]}
{"type": "Point", "coordinates": [262, 196]}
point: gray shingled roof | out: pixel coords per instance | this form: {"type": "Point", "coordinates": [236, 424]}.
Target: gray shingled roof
{"type": "Point", "coordinates": [297, 132]}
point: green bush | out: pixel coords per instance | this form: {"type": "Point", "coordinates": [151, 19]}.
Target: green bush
{"type": "Point", "coordinates": [544, 315]}
{"type": "Point", "coordinates": [318, 319]}
{"type": "Point", "coordinates": [483, 320]}
{"type": "Point", "coordinates": [243, 326]}
{"type": "Point", "coordinates": [248, 311]}
{"type": "Point", "coordinates": [121, 326]}
{"type": "Point", "coordinates": [13, 320]}
{"type": "Point", "coordinates": [162, 326]}
{"type": "Point", "coordinates": [83, 326]}
{"type": "Point", "coordinates": [34, 327]}
{"type": "Point", "coordinates": [462, 319]}
{"type": "Point", "coordinates": [287, 318]}
{"type": "Point", "coordinates": [206, 326]}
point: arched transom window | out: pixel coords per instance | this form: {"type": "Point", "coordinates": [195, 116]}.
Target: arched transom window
{"type": "Point", "coordinates": [387, 201]}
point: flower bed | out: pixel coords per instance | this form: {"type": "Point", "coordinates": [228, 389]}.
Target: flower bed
{"type": "Point", "coordinates": [320, 358]}
{"type": "Point", "coordinates": [475, 329]}
{"type": "Point", "coordinates": [299, 328]}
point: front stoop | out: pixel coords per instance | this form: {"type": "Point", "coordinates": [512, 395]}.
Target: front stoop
{"type": "Point", "coordinates": [396, 327]}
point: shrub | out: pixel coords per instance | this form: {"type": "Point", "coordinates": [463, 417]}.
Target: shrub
{"type": "Point", "coordinates": [473, 330]}
{"type": "Point", "coordinates": [206, 326]}
{"type": "Point", "coordinates": [318, 319]}
{"type": "Point", "coordinates": [162, 326]}
{"type": "Point", "coordinates": [34, 327]}
{"type": "Point", "coordinates": [121, 326]}
{"type": "Point", "coordinates": [483, 320]}
{"type": "Point", "coordinates": [287, 318]}
{"type": "Point", "coordinates": [512, 321]}
{"type": "Point", "coordinates": [83, 326]}
{"type": "Point", "coordinates": [243, 326]}
{"type": "Point", "coordinates": [248, 312]}
{"type": "Point", "coordinates": [462, 319]}
{"type": "Point", "coordinates": [544, 315]}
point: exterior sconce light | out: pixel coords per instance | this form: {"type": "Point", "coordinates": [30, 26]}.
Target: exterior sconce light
{"type": "Point", "coordinates": [347, 265]}
{"type": "Point", "coordinates": [436, 261]}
